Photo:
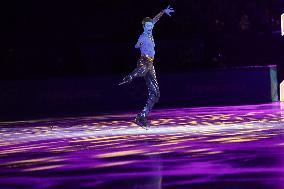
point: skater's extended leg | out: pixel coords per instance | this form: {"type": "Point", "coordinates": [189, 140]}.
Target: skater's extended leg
{"type": "Point", "coordinates": [140, 71]}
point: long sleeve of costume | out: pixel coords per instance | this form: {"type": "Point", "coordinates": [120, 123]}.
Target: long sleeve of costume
{"type": "Point", "coordinates": [139, 42]}
{"type": "Point", "coordinates": [157, 17]}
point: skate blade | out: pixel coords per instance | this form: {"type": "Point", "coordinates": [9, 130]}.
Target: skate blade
{"type": "Point", "coordinates": [146, 127]}
{"type": "Point", "coordinates": [122, 83]}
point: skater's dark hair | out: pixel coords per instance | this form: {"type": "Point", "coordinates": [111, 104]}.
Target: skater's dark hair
{"type": "Point", "coordinates": [147, 19]}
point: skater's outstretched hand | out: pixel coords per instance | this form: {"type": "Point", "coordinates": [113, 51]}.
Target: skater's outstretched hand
{"type": "Point", "coordinates": [169, 10]}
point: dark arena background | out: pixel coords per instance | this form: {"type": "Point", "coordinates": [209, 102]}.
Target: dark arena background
{"type": "Point", "coordinates": [66, 123]}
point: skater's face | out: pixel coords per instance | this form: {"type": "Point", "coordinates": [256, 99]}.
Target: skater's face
{"type": "Point", "coordinates": [148, 27]}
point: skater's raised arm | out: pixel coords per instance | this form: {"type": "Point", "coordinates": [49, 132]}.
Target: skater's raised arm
{"type": "Point", "coordinates": [168, 11]}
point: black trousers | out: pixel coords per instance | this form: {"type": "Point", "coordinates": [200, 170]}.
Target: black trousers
{"type": "Point", "coordinates": [145, 68]}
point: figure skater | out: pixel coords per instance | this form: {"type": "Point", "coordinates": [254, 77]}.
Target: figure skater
{"type": "Point", "coordinates": [145, 67]}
